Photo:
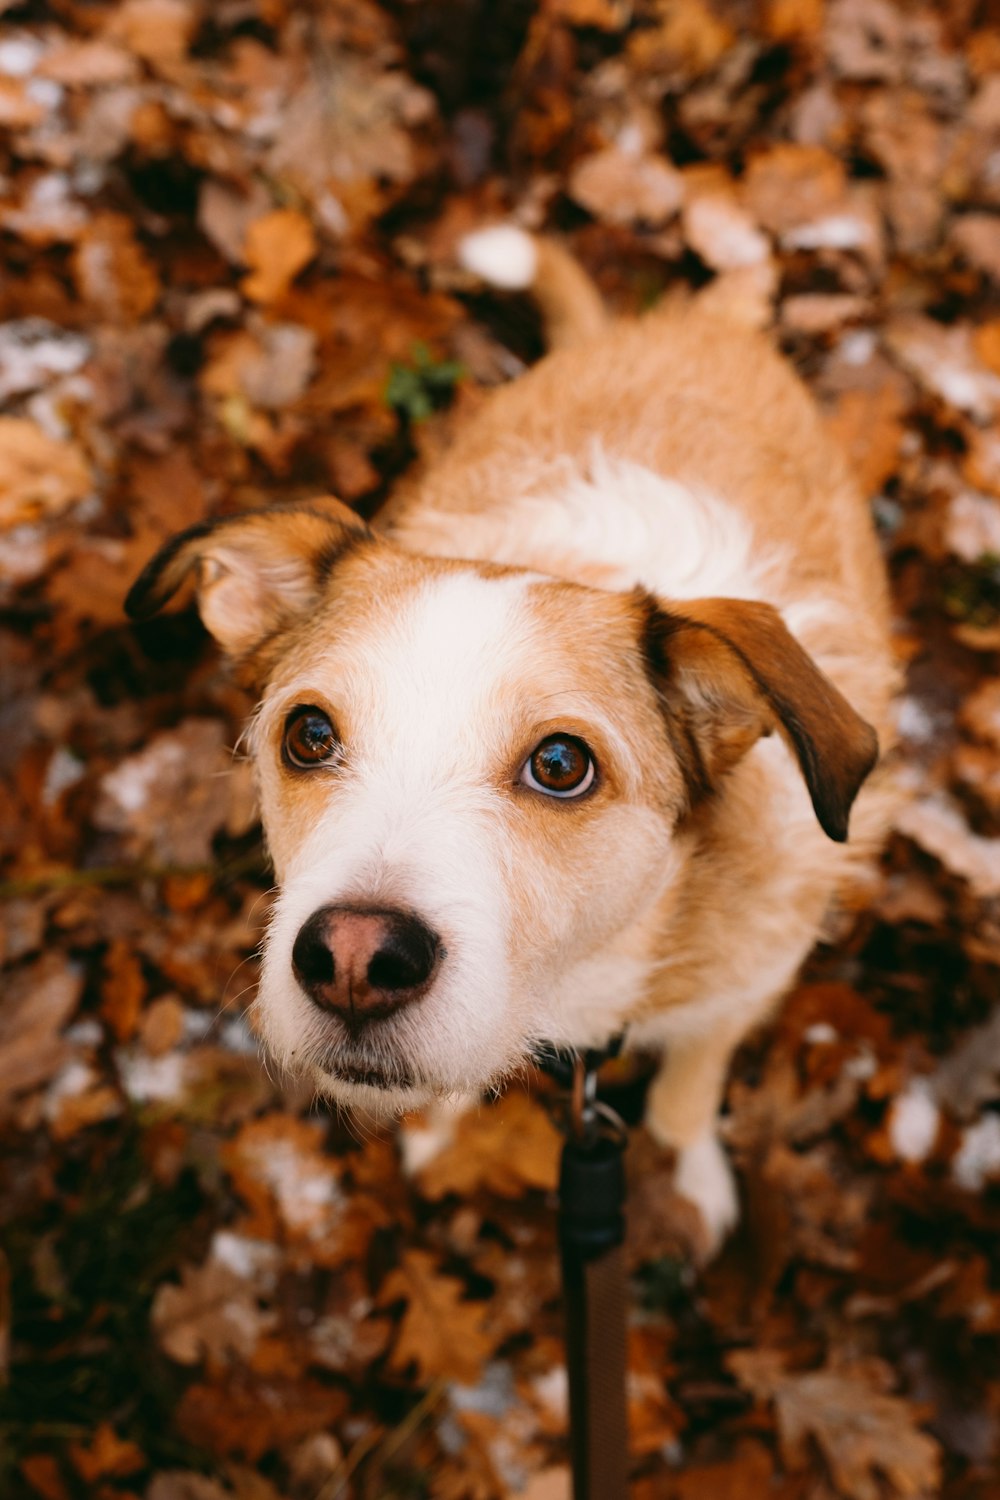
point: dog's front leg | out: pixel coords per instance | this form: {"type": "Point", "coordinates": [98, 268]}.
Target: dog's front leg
{"type": "Point", "coordinates": [682, 1109]}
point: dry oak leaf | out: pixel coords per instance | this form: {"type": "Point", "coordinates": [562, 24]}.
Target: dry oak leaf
{"type": "Point", "coordinates": [868, 1438]}
{"type": "Point", "coordinates": [504, 1148]}
{"type": "Point", "coordinates": [622, 186]}
{"type": "Point", "coordinates": [723, 233]}
{"type": "Point", "coordinates": [123, 989]}
{"type": "Point", "coordinates": [293, 1189]}
{"type": "Point", "coordinates": [944, 362]}
{"type": "Point", "coordinates": [212, 1313]}
{"type": "Point", "coordinates": [440, 1331]}
{"type": "Point", "coordinates": [112, 271]}
{"type": "Point", "coordinates": [106, 1453]}
{"type": "Point", "coordinates": [937, 824]}
{"type": "Point", "coordinates": [345, 133]}
{"type": "Point", "coordinates": [788, 185]}
{"type": "Point", "coordinates": [38, 1002]}
{"type": "Point", "coordinates": [277, 248]}
{"type": "Point", "coordinates": [248, 1417]}
{"type": "Point", "coordinates": [158, 31]}
{"type": "Point", "coordinates": [39, 474]}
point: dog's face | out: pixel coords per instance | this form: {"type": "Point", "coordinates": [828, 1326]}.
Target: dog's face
{"type": "Point", "coordinates": [471, 782]}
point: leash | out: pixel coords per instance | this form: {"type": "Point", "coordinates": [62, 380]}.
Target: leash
{"type": "Point", "coordinates": [591, 1229]}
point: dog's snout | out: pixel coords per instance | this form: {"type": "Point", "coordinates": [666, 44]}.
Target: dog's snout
{"type": "Point", "coordinates": [363, 963]}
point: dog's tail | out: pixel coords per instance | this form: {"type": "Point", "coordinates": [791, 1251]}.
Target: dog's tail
{"type": "Point", "coordinates": [516, 261]}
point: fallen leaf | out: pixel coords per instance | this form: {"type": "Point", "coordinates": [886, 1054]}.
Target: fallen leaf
{"type": "Point", "coordinates": [622, 186]}
{"type": "Point", "coordinates": [250, 1417]}
{"type": "Point", "coordinates": [158, 31]}
{"type": "Point", "coordinates": [38, 1001]}
{"type": "Point", "coordinates": [937, 825]}
{"type": "Point", "coordinates": [943, 360]}
{"type": "Point", "coordinates": [868, 1438]}
{"type": "Point", "coordinates": [723, 233]}
{"type": "Point", "coordinates": [212, 1314]}
{"type": "Point", "coordinates": [171, 797]}
{"type": "Point", "coordinates": [278, 246]}
{"type": "Point", "coordinates": [39, 475]}
{"type": "Point", "coordinates": [503, 1148]}
{"type": "Point", "coordinates": [441, 1331]}
{"type": "Point", "coordinates": [106, 1455]}
{"type": "Point", "coordinates": [112, 271]}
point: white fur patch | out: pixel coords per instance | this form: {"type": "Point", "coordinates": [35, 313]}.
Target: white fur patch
{"type": "Point", "coordinates": [504, 255]}
{"type": "Point", "coordinates": [705, 1178]}
{"type": "Point", "coordinates": [641, 529]}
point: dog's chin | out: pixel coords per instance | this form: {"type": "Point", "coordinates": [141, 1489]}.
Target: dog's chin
{"type": "Point", "coordinates": [370, 1093]}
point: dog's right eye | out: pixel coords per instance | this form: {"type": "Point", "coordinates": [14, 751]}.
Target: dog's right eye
{"type": "Point", "coordinates": [310, 738]}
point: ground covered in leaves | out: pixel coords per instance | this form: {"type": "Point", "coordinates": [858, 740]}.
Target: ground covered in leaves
{"type": "Point", "coordinates": [228, 237]}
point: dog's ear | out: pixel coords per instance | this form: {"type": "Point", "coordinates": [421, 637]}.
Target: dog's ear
{"type": "Point", "coordinates": [253, 573]}
{"type": "Point", "coordinates": [728, 671]}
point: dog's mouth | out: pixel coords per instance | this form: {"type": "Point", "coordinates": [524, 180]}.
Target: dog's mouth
{"type": "Point", "coordinates": [373, 1078]}
{"type": "Point", "coordinates": [347, 1064]}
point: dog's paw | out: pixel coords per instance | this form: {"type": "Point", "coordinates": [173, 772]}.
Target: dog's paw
{"type": "Point", "coordinates": [704, 1177]}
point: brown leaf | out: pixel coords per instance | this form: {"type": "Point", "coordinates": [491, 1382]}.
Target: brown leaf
{"type": "Point", "coordinates": [502, 1148]}
{"type": "Point", "coordinates": [249, 1417]}
{"type": "Point", "coordinates": [38, 1001]}
{"type": "Point", "coordinates": [41, 1471]}
{"type": "Point", "coordinates": [123, 990]}
{"type": "Point", "coordinates": [440, 1332]}
{"type": "Point", "coordinates": [944, 361]}
{"type": "Point", "coordinates": [106, 1454]}
{"type": "Point", "coordinates": [39, 475]}
{"type": "Point", "coordinates": [158, 31]}
{"type": "Point", "coordinates": [171, 797]}
{"type": "Point", "coordinates": [294, 1191]}
{"type": "Point", "coordinates": [621, 186]}
{"type": "Point", "coordinates": [277, 248]}
{"type": "Point", "coordinates": [114, 274]}
{"type": "Point", "coordinates": [866, 1437]}
{"type": "Point", "coordinates": [723, 233]}
{"type": "Point", "coordinates": [937, 824]}
{"type": "Point", "coordinates": [212, 1315]}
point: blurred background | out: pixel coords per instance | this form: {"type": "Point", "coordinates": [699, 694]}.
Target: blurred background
{"type": "Point", "coordinates": [228, 279]}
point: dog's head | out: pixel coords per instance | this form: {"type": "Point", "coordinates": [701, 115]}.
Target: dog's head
{"type": "Point", "coordinates": [472, 780]}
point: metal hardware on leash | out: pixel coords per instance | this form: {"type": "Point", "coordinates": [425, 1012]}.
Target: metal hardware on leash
{"type": "Point", "coordinates": [591, 1226]}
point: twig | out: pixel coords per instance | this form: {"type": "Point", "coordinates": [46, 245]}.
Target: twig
{"type": "Point", "coordinates": [392, 1442]}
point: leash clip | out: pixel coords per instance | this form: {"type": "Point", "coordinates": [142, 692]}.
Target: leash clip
{"type": "Point", "coordinates": [590, 1118]}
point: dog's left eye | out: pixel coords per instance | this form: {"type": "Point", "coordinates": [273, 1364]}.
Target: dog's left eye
{"type": "Point", "coordinates": [310, 738]}
{"type": "Point", "coordinates": [561, 766]}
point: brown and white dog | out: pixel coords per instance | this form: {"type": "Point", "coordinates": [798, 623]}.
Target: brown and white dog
{"type": "Point", "coordinates": [569, 745]}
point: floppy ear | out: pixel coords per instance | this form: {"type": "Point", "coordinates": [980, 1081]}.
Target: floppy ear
{"type": "Point", "coordinates": [253, 573]}
{"type": "Point", "coordinates": [728, 671]}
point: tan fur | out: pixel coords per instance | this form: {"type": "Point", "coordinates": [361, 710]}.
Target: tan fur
{"type": "Point", "coordinates": [684, 689]}
{"type": "Point", "coordinates": [714, 407]}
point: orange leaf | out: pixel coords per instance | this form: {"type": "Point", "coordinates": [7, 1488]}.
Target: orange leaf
{"type": "Point", "coordinates": [38, 473]}
{"type": "Point", "coordinates": [441, 1332]}
{"type": "Point", "coordinates": [506, 1148]}
{"type": "Point", "coordinates": [107, 1454]}
{"type": "Point", "coordinates": [278, 247]}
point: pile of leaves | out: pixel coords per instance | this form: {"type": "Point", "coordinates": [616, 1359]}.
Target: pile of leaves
{"type": "Point", "coordinates": [228, 236]}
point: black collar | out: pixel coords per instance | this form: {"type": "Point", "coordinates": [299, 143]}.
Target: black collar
{"type": "Point", "coordinates": [560, 1062]}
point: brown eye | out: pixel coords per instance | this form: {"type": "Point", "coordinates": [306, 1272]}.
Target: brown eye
{"type": "Point", "coordinates": [310, 738]}
{"type": "Point", "coordinates": [560, 766]}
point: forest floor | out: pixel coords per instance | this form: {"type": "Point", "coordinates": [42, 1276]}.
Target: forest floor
{"type": "Point", "coordinates": [229, 279]}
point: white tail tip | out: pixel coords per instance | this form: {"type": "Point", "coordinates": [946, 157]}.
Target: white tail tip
{"type": "Point", "coordinates": [505, 256]}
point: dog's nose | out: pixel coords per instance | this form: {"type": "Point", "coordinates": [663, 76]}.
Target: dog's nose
{"type": "Point", "coordinates": [364, 964]}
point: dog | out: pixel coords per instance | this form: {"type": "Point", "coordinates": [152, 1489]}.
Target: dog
{"type": "Point", "coordinates": [567, 746]}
